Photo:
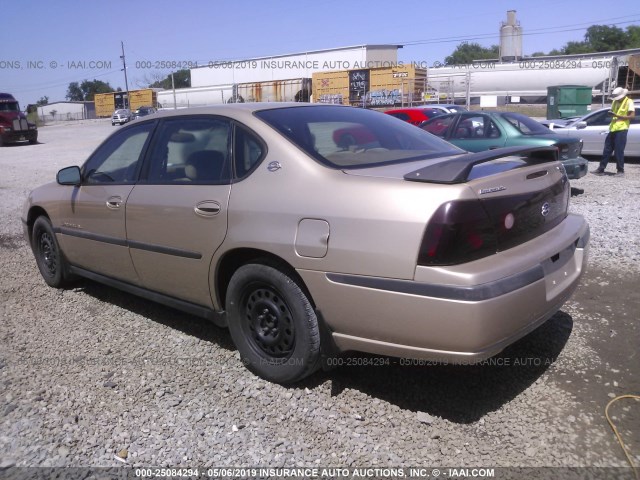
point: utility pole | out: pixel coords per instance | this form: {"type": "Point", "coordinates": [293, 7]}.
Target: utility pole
{"type": "Point", "coordinates": [126, 83]}
{"type": "Point", "coordinates": [173, 86]}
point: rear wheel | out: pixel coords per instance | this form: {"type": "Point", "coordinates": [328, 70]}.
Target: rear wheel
{"type": "Point", "coordinates": [273, 324]}
{"type": "Point", "coordinates": [49, 257]}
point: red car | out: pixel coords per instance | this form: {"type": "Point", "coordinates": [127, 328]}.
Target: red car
{"type": "Point", "coordinates": [357, 135]}
{"type": "Point", "coordinates": [414, 115]}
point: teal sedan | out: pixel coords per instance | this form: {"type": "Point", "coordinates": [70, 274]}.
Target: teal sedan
{"type": "Point", "coordinates": [478, 131]}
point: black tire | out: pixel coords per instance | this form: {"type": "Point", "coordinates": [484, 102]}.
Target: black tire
{"type": "Point", "coordinates": [273, 324]}
{"type": "Point", "coordinates": [51, 263]}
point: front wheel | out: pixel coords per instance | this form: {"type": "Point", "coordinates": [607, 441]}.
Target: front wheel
{"type": "Point", "coordinates": [273, 324]}
{"type": "Point", "coordinates": [49, 257]}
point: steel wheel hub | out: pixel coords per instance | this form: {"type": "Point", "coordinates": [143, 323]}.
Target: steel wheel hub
{"type": "Point", "coordinates": [270, 322]}
{"type": "Point", "coordinates": [48, 252]}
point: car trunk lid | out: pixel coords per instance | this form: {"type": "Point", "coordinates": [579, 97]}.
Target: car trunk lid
{"type": "Point", "coordinates": [517, 194]}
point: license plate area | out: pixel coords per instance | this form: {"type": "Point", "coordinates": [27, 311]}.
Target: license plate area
{"type": "Point", "coordinates": [560, 270]}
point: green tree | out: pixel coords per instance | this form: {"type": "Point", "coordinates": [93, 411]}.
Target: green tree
{"type": "Point", "coordinates": [43, 101]}
{"type": "Point", "coordinates": [181, 79]}
{"type": "Point", "coordinates": [90, 88]}
{"type": "Point", "coordinates": [575, 47]}
{"type": "Point", "coordinates": [86, 90]}
{"type": "Point", "coordinates": [633, 36]}
{"type": "Point", "coordinates": [602, 38]}
{"type": "Point", "coordinates": [74, 92]}
{"type": "Point", "coordinates": [468, 52]}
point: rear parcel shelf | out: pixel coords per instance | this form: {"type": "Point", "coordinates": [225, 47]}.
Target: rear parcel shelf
{"type": "Point", "coordinates": [457, 170]}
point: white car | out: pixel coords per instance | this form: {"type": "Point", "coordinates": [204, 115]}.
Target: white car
{"type": "Point", "coordinates": [121, 116]}
{"type": "Point", "coordinates": [593, 129]}
{"type": "Point", "coordinates": [445, 107]}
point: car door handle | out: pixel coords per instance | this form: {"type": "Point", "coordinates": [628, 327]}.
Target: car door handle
{"type": "Point", "coordinates": [207, 208]}
{"type": "Point", "coordinates": [493, 147]}
{"type": "Point", "coordinates": [604, 132]}
{"type": "Point", "coordinates": [114, 203]}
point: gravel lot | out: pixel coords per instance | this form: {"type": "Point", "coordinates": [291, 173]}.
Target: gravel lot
{"type": "Point", "coordinates": [90, 373]}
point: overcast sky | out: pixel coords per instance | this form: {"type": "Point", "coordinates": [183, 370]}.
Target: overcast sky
{"type": "Point", "coordinates": [48, 44]}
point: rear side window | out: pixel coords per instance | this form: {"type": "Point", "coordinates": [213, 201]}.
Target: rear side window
{"type": "Point", "coordinates": [524, 124]}
{"type": "Point", "coordinates": [248, 151]}
{"type": "Point", "coordinates": [348, 137]}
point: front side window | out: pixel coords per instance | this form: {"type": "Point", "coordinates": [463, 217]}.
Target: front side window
{"type": "Point", "coordinates": [599, 119]}
{"type": "Point", "coordinates": [439, 126]}
{"type": "Point", "coordinates": [476, 127]}
{"type": "Point", "coordinates": [116, 160]}
{"type": "Point", "coordinates": [190, 150]}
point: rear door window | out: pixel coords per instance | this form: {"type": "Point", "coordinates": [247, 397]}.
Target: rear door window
{"type": "Point", "coordinates": [191, 150]}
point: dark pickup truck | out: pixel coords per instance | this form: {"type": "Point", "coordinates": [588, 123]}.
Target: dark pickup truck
{"type": "Point", "coordinates": [14, 126]}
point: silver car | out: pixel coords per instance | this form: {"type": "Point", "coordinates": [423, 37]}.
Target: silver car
{"type": "Point", "coordinates": [593, 129]}
{"type": "Point", "coordinates": [257, 217]}
{"type": "Point", "coordinates": [121, 116]}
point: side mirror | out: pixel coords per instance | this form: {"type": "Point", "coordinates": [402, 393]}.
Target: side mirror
{"type": "Point", "coordinates": [581, 125]}
{"type": "Point", "coordinates": [69, 176]}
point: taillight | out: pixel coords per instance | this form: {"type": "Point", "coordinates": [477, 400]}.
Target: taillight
{"type": "Point", "coordinates": [459, 231]}
{"type": "Point", "coordinates": [464, 230]}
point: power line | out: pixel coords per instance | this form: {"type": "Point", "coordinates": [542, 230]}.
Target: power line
{"type": "Point", "coordinates": [479, 36]}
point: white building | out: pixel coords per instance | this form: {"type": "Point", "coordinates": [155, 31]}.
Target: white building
{"type": "Point", "coordinates": [67, 111]}
{"type": "Point", "coordinates": [295, 65]}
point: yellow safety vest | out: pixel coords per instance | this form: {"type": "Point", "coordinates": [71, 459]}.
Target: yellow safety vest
{"type": "Point", "coordinates": [620, 108]}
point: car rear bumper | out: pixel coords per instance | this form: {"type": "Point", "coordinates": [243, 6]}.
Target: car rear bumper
{"type": "Point", "coordinates": [576, 167]}
{"type": "Point", "coordinates": [463, 323]}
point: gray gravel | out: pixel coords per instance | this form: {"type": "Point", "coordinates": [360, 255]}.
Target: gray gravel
{"type": "Point", "coordinates": [91, 376]}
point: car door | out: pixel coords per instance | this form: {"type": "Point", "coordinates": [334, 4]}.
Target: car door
{"type": "Point", "coordinates": [594, 133]}
{"type": "Point", "coordinates": [177, 213]}
{"type": "Point", "coordinates": [476, 132]}
{"type": "Point", "coordinates": [92, 223]}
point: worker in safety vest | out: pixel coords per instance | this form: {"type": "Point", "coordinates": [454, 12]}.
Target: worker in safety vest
{"type": "Point", "coordinates": [622, 111]}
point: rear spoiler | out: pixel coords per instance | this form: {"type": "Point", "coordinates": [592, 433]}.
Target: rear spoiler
{"type": "Point", "coordinates": [457, 169]}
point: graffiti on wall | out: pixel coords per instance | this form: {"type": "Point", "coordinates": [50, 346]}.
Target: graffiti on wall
{"type": "Point", "coordinates": [330, 98]}
{"type": "Point", "coordinates": [358, 84]}
{"type": "Point", "coordinates": [383, 98]}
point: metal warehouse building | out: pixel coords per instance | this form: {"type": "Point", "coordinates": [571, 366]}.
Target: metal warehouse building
{"type": "Point", "coordinates": [66, 111]}
{"type": "Point", "coordinates": [274, 78]}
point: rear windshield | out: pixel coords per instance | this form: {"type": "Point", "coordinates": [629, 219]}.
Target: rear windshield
{"type": "Point", "coordinates": [526, 125]}
{"type": "Point", "coordinates": [348, 137]}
